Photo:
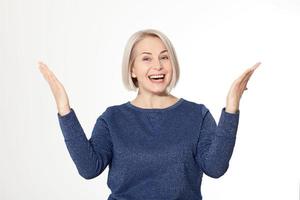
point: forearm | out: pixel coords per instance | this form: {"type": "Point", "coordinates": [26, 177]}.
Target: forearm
{"type": "Point", "coordinates": [217, 143]}
{"type": "Point", "coordinates": [216, 159]}
{"type": "Point", "coordinates": [80, 149]}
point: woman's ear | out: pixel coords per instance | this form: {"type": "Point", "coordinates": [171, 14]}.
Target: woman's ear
{"type": "Point", "coordinates": [133, 75]}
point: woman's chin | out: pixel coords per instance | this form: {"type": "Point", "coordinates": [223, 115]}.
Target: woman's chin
{"type": "Point", "coordinates": [162, 89]}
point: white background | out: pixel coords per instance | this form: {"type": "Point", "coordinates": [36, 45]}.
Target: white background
{"type": "Point", "coordinates": [83, 43]}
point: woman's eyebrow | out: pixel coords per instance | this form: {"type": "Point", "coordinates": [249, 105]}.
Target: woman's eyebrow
{"type": "Point", "coordinates": [145, 52]}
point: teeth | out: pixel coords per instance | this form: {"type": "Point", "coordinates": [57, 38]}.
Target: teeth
{"type": "Point", "coordinates": [157, 76]}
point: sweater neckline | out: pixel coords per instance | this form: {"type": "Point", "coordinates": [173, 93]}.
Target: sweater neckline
{"type": "Point", "coordinates": [177, 103]}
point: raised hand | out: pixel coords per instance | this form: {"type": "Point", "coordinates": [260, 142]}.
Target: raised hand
{"type": "Point", "coordinates": [237, 88]}
{"type": "Point", "coordinates": [58, 91]}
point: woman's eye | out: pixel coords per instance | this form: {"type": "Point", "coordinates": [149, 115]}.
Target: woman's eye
{"type": "Point", "coordinates": [165, 57]}
{"type": "Point", "coordinates": [146, 59]}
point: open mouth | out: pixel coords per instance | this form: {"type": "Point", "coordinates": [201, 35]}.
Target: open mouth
{"type": "Point", "coordinates": [157, 78]}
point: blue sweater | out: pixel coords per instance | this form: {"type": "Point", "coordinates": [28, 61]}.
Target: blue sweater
{"type": "Point", "coordinates": [153, 154]}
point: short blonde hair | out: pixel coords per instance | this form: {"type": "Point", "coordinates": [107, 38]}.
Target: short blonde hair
{"type": "Point", "coordinates": [131, 83]}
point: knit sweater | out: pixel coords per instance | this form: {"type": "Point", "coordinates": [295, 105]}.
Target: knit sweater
{"type": "Point", "coordinates": [153, 153]}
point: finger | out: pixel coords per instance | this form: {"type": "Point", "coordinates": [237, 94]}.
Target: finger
{"type": "Point", "coordinates": [43, 69]}
{"type": "Point", "coordinates": [248, 71]}
{"type": "Point", "coordinates": [242, 81]}
{"type": "Point", "coordinates": [245, 82]}
{"type": "Point", "coordinates": [49, 75]}
{"type": "Point", "coordinates": [244, 75]}
{"type": "Point", "coordinates": [254, 67]}
{"type": "Point", "coordinates": [247, 77]}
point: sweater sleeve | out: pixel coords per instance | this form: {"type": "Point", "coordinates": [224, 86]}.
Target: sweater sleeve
{"type": "Point", "coordinates": [90, 156]}
{"type": "Point", "coordinates": [216, 142]}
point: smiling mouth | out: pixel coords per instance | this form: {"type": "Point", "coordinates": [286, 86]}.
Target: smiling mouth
{"type": "Point", "coordinates": [157, 77]}
{"type": "Point", "coordinates": [157, 80]}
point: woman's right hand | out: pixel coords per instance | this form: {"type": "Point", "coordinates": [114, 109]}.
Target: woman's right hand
{"type": "Point", "coordinates": [58, 90]}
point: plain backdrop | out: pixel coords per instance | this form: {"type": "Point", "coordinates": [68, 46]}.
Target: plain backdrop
{"type": "Point", "coordinates": [83, 42]}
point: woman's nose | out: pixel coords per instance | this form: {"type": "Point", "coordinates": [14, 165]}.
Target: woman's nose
{"type": "Point", "coordinates": [158, 65]}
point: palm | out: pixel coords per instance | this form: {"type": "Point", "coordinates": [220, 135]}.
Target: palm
{"type": "Point", "coordinates": [57, 88]}
{"type": "Point", "coordinates": [239, 86]}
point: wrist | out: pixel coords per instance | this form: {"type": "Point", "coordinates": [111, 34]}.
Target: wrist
{"type": "Point", "coordinates": [64, 110]}
{"type": "Point", "coordinates": [232, 107]}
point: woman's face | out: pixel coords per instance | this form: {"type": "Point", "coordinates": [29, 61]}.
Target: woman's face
{"type": "Point", "coordinates": [151, 58]}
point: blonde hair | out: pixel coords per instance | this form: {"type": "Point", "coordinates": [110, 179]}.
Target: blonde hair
{"type": "Point", "coordinates": [131, 83]}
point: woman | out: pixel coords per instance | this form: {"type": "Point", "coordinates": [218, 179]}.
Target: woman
{"type": "Point", "coordinates": [157, 146]}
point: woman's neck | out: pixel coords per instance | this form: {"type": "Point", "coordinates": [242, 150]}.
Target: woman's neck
{"type": "Point", "coordinates": [154, 101]}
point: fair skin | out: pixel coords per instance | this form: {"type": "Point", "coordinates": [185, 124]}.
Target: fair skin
{"type": "Point", "coordinates": [151, 57]}
{"type": "Point", "coordinates": [57, 89]}
{"type": "Point", "coordinates": [237, 88]}
{"type": "Point", "coordinates": [150, 94]}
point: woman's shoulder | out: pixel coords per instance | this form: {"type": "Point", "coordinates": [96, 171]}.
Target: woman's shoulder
{"type": "Point", "coordinates": [195, 104]}
{"type": "Point", "coordinates": [123, 107]}
{"type": "Point", "coordinates": [114, 109]}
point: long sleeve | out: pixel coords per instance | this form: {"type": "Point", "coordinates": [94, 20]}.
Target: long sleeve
{"type": "Point", "coordinates": [90, 156]}
{"type": "Point", "coordinates": [216, 143]}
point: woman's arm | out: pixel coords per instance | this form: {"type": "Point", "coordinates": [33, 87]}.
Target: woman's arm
{"type": "Point", "coordinates": [216, 142]}
{"type": "Point", "coordinates": [90, 156]}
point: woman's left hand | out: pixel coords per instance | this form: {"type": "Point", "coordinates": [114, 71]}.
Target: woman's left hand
{"type": "Point", "coordinates": [237, 88]}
